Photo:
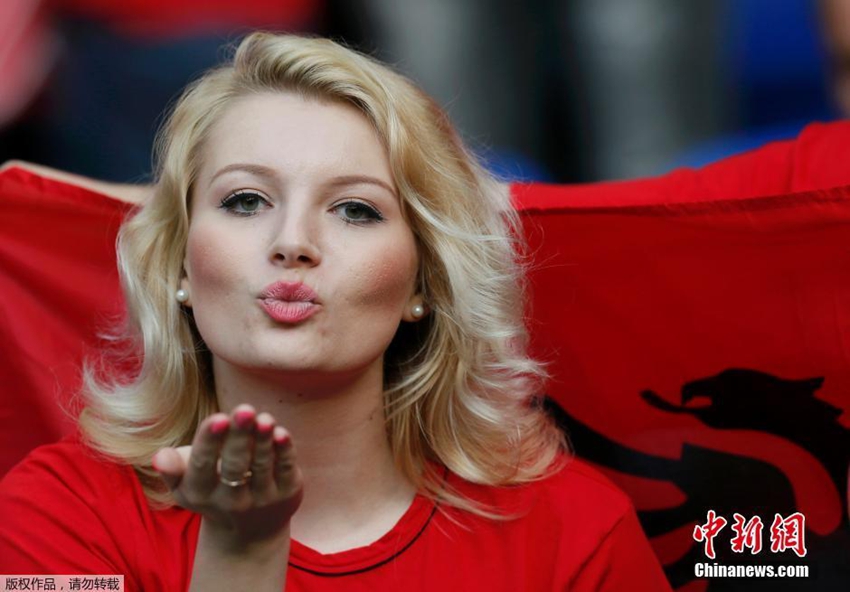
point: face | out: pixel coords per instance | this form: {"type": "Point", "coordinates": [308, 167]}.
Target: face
{"type": "Point", "coordinates": [298, 259]}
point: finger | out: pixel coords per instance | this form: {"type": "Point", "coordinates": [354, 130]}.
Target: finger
{"type": "Point", "coordinates": [185, 453]}
{"type": "Point", "coordinates": [202, 474]}
{"type": "Point", "coordinates": [262, 466]}
{"type": "Point", "coordinates": [284, 468]}
{"type": "Point", "coordinates": [236, 452]}
{"type": "Point", "coordinates": [170, 466]}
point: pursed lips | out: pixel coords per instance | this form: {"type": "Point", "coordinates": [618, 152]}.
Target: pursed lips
{"type": "Point", "coordinates": [289, 302]}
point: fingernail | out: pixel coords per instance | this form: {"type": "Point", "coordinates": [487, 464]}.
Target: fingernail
{"type": "Point", "coordinates": [244, 418]}
{"type": "Point", "coordinates": [281, 436]}
{"type": "Point", "coordinates": [264, 425]}
{"type": "Point", "coordinates": [219, 426]}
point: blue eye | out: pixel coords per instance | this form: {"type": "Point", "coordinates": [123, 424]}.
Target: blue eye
{"type": "Point", "coordinates": [244, 203]}
{"type": "Point", "coordinates": [357, 212]}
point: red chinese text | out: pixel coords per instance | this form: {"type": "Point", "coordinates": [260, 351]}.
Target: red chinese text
{"type": "Point", "coordinates": [747, 534]}
{"type": "Point", "coordinates": [789, 533]}
{"type": "Point", "coordinates": [706, 532]}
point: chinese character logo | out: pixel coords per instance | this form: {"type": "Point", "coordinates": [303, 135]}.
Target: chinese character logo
{"type": "Point", "coordinates": [785, 533]}
{"type": "Point", "coordinates": [789, 533]}
{"type": "Point", "coordinates": [747, 534]}
{"type": "Point", "coordinates": [706, 532]}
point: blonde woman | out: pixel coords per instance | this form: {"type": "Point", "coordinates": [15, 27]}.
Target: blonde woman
{"type": "Point", "coordinates": [331, 388]}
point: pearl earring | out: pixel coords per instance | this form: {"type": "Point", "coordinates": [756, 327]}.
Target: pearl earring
{"type": "Point", "coordinates": [181, 295]}
{"type": "Point", "coordinates": [418, 311]}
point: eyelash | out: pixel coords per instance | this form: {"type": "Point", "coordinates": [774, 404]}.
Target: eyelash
{"type": "Point", "coordinates": [231, 202]}
{"type": "Point", "coordinates": [373, 215]}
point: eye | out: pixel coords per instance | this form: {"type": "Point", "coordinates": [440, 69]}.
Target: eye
{"type": "Point", "coordinates": [357, 212]}
{"type": "Point", "coordinates": [244, 203]}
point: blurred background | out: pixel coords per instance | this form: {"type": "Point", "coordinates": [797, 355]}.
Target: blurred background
{"type": "Point", "coordinates": [551, 90]}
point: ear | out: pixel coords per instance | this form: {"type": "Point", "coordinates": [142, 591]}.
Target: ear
{"type": "Point", "coordinates": [416, 309]}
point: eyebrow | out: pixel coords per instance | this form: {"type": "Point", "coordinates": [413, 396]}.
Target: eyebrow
{"type": "Point", "coordinates": [255, 169]}
{"type": "Point", "coordinates": [269, 173]}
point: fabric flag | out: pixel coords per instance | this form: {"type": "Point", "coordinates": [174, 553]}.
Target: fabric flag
{"type": "Point", "coordinates": [696, 326]}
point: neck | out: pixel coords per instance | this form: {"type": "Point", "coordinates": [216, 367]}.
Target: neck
{"type": "Point", "coordinates": [353, 492]}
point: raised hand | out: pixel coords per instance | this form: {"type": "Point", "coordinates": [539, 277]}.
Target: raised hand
{"type": "Point", "coordinates": [239, 473]}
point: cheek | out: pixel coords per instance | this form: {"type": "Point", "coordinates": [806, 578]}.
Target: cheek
{"type": "Point", "coordinates": [210, 264]}
{"type": "Point", "coordinates": [214, 269]}
{"type": "Point", "coordinates": [388, 280]}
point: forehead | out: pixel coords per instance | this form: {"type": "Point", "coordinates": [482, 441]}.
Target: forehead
{"type": "Point", "coordinates": [300, 137]}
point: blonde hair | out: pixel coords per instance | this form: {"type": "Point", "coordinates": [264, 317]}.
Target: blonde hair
{"type": "Point", "coordinates": [459, 386]}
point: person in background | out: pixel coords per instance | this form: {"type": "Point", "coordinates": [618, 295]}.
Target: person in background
{"type": "Point", "coordinates": [835, 21]}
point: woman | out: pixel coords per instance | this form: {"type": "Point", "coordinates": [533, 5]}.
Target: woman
{"type": "Point", "coordinates": [322, 266]}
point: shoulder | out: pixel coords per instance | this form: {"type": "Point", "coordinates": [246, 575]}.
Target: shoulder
{"type": "Point", "coordinates": [67, 464]}
{"type": "Point", "coordinates": [583, 529]}
{"type": "Point", "coordinates": [577, 481]}
{"type": "Point", "coordinates": [571, 486]}
{"type": "Point", "coordinates": [577, 498]}
{"type": "Point", "coordinates": [69, 510]}
{"type": "Point", "coordinates": [572, 498]}
{"type": "Point", "coordinates": [610, 549]}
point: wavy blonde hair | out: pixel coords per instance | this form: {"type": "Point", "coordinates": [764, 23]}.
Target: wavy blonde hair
{"type": "Point", "coordinates": [459, 386]}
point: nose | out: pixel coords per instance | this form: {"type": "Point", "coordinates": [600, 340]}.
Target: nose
{"type": "Point", "coordinates": [295, 239]}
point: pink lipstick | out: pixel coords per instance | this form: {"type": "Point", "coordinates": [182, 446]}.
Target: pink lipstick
{"type": "Point", "coordinates": [289, 302]}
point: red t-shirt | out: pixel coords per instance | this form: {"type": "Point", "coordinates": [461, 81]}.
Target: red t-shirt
{"type": "Point", "coordinates": [65, 510]}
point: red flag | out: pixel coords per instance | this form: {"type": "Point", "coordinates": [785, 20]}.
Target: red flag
{"type": "Point", "coordinates": [697, 327]}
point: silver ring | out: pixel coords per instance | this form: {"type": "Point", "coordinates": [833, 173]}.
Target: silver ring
{"type": "Point", "coordinates": [238, 482]}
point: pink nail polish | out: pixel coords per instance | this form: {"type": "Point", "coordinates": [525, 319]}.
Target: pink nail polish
{"type": "Point", "coordinates": [264, 428]}
{"type": "Point", "coordinates": [244, 418]}
{"type": "Point", "coordinates": [281, 439]}
{"type": "Point", "coordinates": [219, 426]}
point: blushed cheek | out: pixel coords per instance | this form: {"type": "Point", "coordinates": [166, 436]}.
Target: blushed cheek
{"type": "Point", "coordinates": [215, 275]}
{"type": "Point", "coordinates": [208, 265]}
{"type": "Point", "coordinates": [390, 280]}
